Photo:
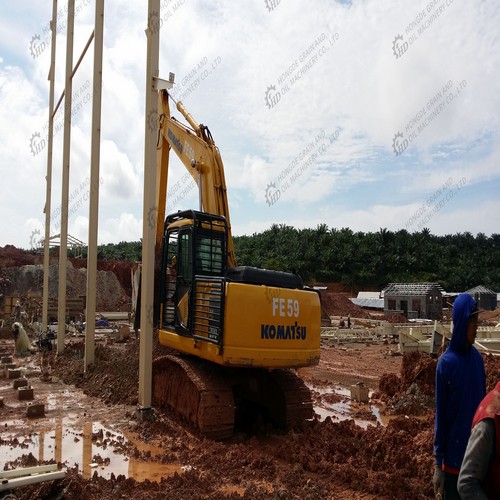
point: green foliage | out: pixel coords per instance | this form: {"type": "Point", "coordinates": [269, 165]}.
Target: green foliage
{"type": "Point", "coordinates": [125, 250]}
{"type": "Point", "coordinates": [457, 262]}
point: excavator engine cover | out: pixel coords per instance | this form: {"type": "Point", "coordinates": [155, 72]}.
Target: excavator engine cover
{"type": "Point", "coordinates": [256, 276]}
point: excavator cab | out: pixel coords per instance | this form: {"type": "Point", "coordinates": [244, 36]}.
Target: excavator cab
{"type": "Point", "coordinates": [194, 254]}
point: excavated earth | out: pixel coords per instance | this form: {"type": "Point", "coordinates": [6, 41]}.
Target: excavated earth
{"type": "Point", "coordinates": [349, 450]}
{"type": "Point", "coordinates": [389, 455]}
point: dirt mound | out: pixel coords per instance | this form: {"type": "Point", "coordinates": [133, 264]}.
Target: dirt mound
{"type": "Point", "coordinates": [10, 256]}
{"type": "Point", "coordinates": [412, 392]}
{"type": "Point", "coordinates": [113, 377]}
{"type": "Point", "coordinates": [492, 366]}
{"type": "Point", "coordinates": [122, 269]}
{"type": "Point", "coordinates": [336, 304]}
{"type": "Point", "coordinates": [27, 280]}
{"type": "Point", "coordinates": [21, 273]}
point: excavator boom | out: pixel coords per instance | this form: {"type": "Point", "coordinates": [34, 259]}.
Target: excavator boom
{"type": "Point", "coordinates": [196, 149]}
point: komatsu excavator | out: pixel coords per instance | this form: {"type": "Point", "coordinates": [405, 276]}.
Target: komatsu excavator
{"type": "Point", "coordinates": [235, 334]}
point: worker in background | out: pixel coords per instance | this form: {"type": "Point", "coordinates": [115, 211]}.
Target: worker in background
{"type": "Point", "coordinates": [17, 311]}
{"type": "Point", "coordinates": [460, 387]}
{"type": "Point", "coordinates": [480, 472]}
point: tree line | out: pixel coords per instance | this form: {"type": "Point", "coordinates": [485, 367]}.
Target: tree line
{"type": "Point", "coordinates": [357, 259]}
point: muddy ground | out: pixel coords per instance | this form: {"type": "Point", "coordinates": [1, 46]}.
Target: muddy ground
{"type": "Point", "coordinates": [382, 449]}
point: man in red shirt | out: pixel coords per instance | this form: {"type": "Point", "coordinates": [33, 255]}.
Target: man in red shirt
{"type": "Point", "coordinates": [480, 472]}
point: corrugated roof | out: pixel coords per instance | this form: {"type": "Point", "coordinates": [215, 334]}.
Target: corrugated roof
{"type": "Point", "coordinates": [373, 303]}
{"type": "Point", "coordinates": [410, 288]}
{"type": "Point", "coordinates": [368, 295]}
{"type": "Point", "coordinates": [480, 289]}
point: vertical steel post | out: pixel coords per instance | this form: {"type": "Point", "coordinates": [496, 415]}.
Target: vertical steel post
{"type": "Point", "coordinates": [94, 186]}
{"type": "Point", "coordinates": [150, 210]}
{"type": "Point", "coordinates": [48, 178]}
{"type": "Point", "coordinates": [63, 249]}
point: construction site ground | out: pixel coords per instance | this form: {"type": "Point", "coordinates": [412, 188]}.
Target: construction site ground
{"type": "Point", "coordinates": [350, 450]}
{"type": "Point", "coordinates": [90, 429]}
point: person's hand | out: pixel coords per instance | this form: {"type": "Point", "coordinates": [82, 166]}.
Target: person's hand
{"type": "Point", "coordinates": [438, 481]}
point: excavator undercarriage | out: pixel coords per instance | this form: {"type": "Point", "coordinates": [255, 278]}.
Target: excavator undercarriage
{"type": "Point", "coordinates": [216, 400]}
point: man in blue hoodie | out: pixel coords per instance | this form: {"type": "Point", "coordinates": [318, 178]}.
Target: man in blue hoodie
{"type": "Point", "coordinates": [460, 387]}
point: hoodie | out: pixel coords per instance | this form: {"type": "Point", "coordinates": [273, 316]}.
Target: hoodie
{"type": "Point", "coordinates": [460, 387]}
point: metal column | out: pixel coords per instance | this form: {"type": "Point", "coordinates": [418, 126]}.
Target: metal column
{"type": "Point", "coordinates": [48, 178]}
{"type": "Point", "coordinates": [149, 212]}
{"type": "Point", "coordinates": [94, 186]}
{"type": "Point", "coordinates": [63, 249]}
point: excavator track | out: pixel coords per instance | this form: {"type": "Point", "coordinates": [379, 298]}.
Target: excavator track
{"type": "Point", "coordinates": [196, 393]}
{"type": "Point", "coordinates": [213, 399]}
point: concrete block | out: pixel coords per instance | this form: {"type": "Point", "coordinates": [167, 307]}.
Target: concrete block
{"type": "Point", "coordinates": [6, 367]}
{"type": "Point", "coordinates": [35, 410]}
{"type": "Point", "coordinates": [14, 373]}
{"type": "Point", "coordinates": [6, 360]}
{"type": "Point", "coordinates": [25, 393]}
{"type": "Point", "coordinates": [20, 382]}
{"type": "Point", "coordinates": [359, 393]}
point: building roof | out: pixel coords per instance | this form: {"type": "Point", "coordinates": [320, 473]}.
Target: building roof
{"type": "Point", "coordinates": [368, 295]}
{"type": "Point", "coordinates": [411, 288]}
{"type": "Point", "coordinates": [372, 303]}
{"type": "Point", "coordinates": [480, 290]}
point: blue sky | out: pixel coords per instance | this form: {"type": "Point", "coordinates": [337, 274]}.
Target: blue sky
{"type": "Point", "coordinates": [364, 114]}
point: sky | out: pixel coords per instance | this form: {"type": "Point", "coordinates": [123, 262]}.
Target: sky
{"type": "Point", "coordinates": [355, 114]}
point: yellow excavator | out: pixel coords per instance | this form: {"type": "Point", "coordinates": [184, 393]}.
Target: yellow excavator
{"type": "Point", "coordinates": [235, 333]}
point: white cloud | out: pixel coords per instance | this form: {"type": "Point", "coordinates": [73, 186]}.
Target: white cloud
{"type": "Point", "coordinates": [225, 56]}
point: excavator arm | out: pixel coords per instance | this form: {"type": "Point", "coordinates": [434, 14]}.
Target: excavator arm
{"type": "Point", "coordinates": [197, 151]}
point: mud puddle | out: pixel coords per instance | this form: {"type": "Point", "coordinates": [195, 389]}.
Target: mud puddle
{"type": "Point", "coordinates": [92, 447]}
{"type": "Point", "coordinates": [336, 403]}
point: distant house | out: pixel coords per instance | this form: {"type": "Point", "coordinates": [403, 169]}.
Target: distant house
{"type": "Point", "coordinates": [414, 300]}
{"type": "Point", "coordinates": [485, 298]}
